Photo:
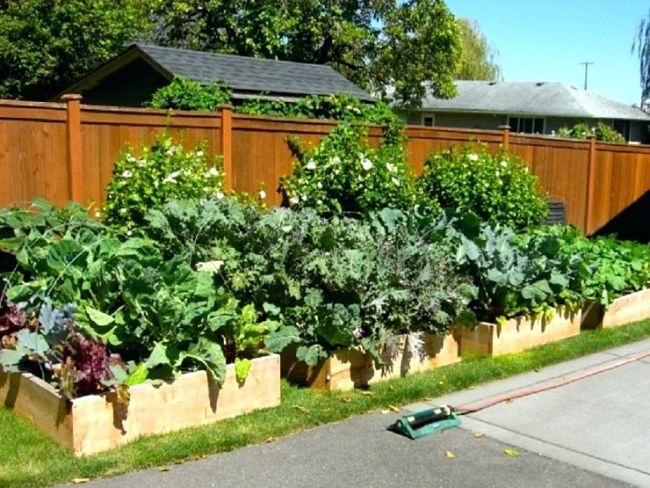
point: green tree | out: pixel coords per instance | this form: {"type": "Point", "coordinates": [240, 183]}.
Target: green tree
{"type": "Point", "coordinates": [375, 43]}
{"type": "Point", "coordinates": [641, 46]}
{"type": "Point", "coordinates": [477, 61]}
{"type": "Point", "coordinates": [45, 44]}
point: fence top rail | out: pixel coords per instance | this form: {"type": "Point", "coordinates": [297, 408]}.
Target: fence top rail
{"type": "Point", "coordinates": [29, 104]}
{"type": "Point", "coordinates": [149, 111]}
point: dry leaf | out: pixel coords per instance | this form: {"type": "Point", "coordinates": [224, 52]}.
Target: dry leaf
{"type": "Point", "coordinates": [163, 469]}
{"type": "Point", "coordinates": [510, 452]}
{"type": "Point", "coordinates": [301, 408]}
{"type": "Point", "coordinates": [449, 455]}
{"type": "Point", "coordinates": [509, 400]}
{"type": "Point", "coordinates": [270, 439]}
{"type": "Point", "coordinates": [200, 456]}
{"type": "Point", "coordinates": [393, 408]}
{"type": "Point", "coordinates": [367, 393]}
{"type": "Point", "coordinates": [78, 481]}
{"type": "Point", "coordinates": [384, 412]}
{"type": "Point", "coordinates": [346, 400]}
{"type": "Point", "coordinates": [478, 435]}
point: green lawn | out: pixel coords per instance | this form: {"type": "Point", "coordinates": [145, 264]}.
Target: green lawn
{"type": "Point", "coordinates": [30, 459]}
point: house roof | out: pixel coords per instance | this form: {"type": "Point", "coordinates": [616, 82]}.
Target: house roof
{"type": "Point", "coordinates": [244, 75]}
{"type": "Point", "coordinates": [551, 99]}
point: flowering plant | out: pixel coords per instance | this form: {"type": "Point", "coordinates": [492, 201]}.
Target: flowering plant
{"type": "Point", "coordinates": [163, 172]}
{"type": "Point", "coordinates": [344, 174]}
{"type": "Point", "coordinates": [497, 187]}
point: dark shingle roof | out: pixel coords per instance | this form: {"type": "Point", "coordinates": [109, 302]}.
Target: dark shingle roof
{"type": "Point", "coordinates": [534, 98]}
{"type": "Point", "coordinates": [246, 74]}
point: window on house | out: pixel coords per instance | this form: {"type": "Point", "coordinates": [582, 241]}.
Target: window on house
{"type": "Point", "coordinates": [527, 125]}
{"type": "Point", "coordinates": [427, 121]}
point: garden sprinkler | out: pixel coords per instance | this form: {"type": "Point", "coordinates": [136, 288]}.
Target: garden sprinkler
{"type": "Point", "coordinates": [425, 422]}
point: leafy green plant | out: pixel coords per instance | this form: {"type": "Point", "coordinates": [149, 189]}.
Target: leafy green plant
{"type": "Point", "coordinates": [496, 187]}
{"type": "Point", "coordinates": [601, 131]}
{"type": "Point", "coordinates": [344, 174]}
{"type": "Point", "coordinates": [162, 172]}
{"type": "Point", "coordinates": [610, 268]}
{"type": "Point", "coordinates": [518, 275]}
{"type": "Point", "coordinates": [185, 94]}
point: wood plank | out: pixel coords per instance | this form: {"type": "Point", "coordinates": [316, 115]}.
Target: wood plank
{"type": "Point", "coordinates": [519, 334]}
{"type": "Point", "coordinates": [351, 368]}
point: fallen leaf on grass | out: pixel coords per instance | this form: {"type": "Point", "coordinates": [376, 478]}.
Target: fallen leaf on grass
{"type": "Point", "coordinates": [393, 408]}
{"type": "Point", "coordinates": [198, 457]}
{"type": "Point", "coordinates": [449, 455]}
{"type": "Point", "coordinates": [270, 439]}
{"type": "Point", "coordinates": [384, 412]}
{"type": "Point", "coordinates": [478, 435]}
{"type": "Point", "coordinates": [163, 469]}
{"type": "Point", "coordinates": [510, 452]}
{"type": "Point", "coordinates": [301, 408]}
{"type": "Point", "coordinates": [367, 393]}
{"type": "Point", "coordinates": [346, 400]}
{"type": "Point", "coordinates": [78, 481]}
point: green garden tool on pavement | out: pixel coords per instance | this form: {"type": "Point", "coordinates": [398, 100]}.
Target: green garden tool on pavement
{"type": "Point", "coordinates": [425, 422]}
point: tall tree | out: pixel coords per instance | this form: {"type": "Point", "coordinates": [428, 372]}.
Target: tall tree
{"type": "Point", "coordinates": [478, 58]}
{"type": "Point", "coordinates": [641, 46]}
{"type": "Point", "coordinates": [45, 44]}
{"type": "Point", "coordinates": [375, 43]}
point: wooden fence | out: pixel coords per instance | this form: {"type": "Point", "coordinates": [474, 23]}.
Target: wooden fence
{"type": "Point", "coordinates": [65, 151]}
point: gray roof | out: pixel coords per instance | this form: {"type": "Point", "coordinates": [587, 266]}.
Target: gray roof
{"type": "Point", "coordinates": [532, 98]}
{"type": "Point", "coordinates": [246, 74]}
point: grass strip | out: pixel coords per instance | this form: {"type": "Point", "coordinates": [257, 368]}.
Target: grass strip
{"type": "Point", "coordinates": [30, 459]}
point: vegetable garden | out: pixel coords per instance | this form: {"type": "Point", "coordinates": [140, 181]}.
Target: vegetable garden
{"type": "Point", "coordinates": [364, 260]}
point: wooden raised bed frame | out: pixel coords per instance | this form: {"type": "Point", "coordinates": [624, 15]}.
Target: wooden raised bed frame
{"type": "Point", "coordinates": [97, 423]}
{"type": "Point", "coordinates": [624, 310]}
{"type": "Point", "coordinates": [519, 334]}
{"type": "Point", "coordinates": [351, 368]}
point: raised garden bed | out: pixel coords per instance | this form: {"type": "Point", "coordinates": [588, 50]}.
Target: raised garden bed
{"type": "Point", "coordinates": [351, 368]}
{"type": "Point", "coordinates": [624, 310]}
{"type": "Point", "coordinates": [97, 423]}
{"type": "Point", "coordinates": [519, 334]}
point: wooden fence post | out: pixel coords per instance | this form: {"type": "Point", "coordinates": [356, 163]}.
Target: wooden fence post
{"type": "Point", "coordinates": [591, 174]}
{"type": "Point", "coordinates": [226, 146]}
{"type": "Point", "coordinates": [73, 130]}
{"type": "Point", "coordinates": [506, 135]}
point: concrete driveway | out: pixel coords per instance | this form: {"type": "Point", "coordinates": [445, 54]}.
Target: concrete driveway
{"type": "Point", "coordinates": [591, 433]}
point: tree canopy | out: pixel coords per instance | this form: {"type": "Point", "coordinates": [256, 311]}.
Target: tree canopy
{"type": "Point", "coordinates": [641, 46]}
{"type": "Point", "coordinates": [477, 61]}
{"type": "Point", "coordinates": [45, 44]}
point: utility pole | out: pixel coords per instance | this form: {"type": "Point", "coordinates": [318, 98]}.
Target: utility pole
{"type": "Point", "coordinates": [587, 64]}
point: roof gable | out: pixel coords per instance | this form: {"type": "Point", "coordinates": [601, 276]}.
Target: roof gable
{"type": "Point", "coordinates": [532, 98]}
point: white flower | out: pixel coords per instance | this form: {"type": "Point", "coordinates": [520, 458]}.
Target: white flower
{"type": "Point", "coordinates": [294, 200]}
{"type": "Point", "coordinates": [123, 211]}
{"type": "Point", "coordinates": [199, 154]}
{"type": "Point", "coordinates": [126, 174]}
{"type": "Point", "coordinates": [311, 165]}
{"type": "Point", "coordinates": [473, 157]}
{"type": "Point", "coordinates": [395, 181]}
{"type": "Point", "coordinates": [171, 177]}
{"type": "Point", "coordinates": [130, 158]}
{"type": "Point", "coordinates": [128, 233]}
{"type": "Point", "coordinates": [98, 214]}
{"type": "Point", "coordinates": [319, 185]}
{"type": "Point", "coordinates": [262, 194]}
{"type": "Point", "coordinates": [319, 202]}
{"type": "Point", "coordinates": [335, 160]}
{"type": "Point", "coordinates": [366, 164]}
{"type": "Point", "coordinates": [209, 266]}
{"type": "Point", "coordinates": [214, 172]}
{"type": "Point", "coordinates": [219, 195]}
{"type": "Point", "coordinates": [141, 162]}
{"type": "Point", "coordinates": [391, 167]}
{"type": "Point", "coordinates": [286, 228]}
{"type": "Point", "coordinates": [504, 164]}
{"type": "Point", "coordinates": [304, 198]}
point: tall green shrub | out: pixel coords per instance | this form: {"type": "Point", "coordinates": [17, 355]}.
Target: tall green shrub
{"type": "Point", "coordinates": [496, 187]}
{"type": "Point", "coordinates": [163, 172]}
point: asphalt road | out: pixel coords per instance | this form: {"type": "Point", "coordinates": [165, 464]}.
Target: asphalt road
{"type": "Point", "coordinates": [591, 433]}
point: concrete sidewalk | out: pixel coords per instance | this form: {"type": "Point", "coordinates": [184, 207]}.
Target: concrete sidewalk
{"type": "Point", "coordinates": [592, 433]}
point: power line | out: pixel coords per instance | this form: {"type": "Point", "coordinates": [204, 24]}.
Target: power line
{"type": "Point", "coordinates": [587, 64]}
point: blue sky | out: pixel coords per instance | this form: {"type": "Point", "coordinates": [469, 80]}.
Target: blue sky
{"type": "Point", "coordinates": [544, 40]}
